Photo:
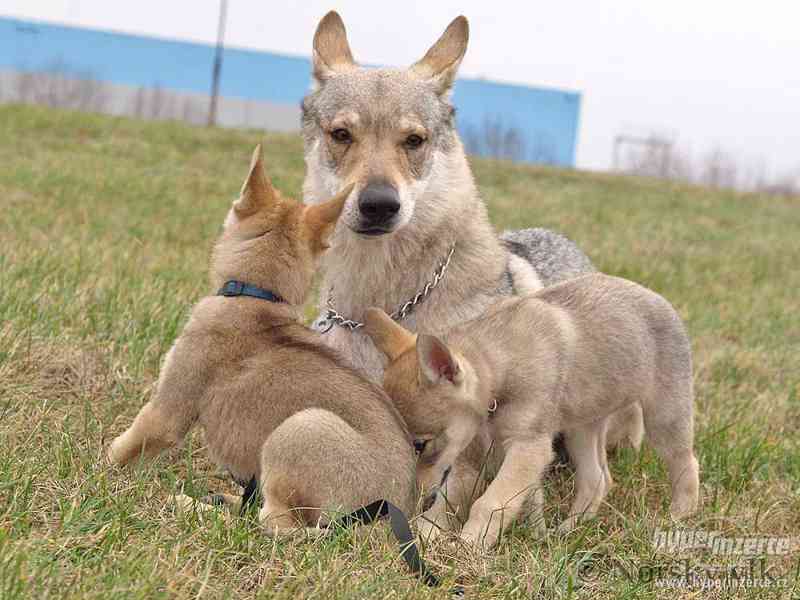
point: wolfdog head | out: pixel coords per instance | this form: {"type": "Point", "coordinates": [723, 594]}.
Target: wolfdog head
{"type": "Point", "coordinates": [434, 389]}
{"type": "Point", "coordinates": [387, 131]}
{"type": "Point", "coordinates": [272, 241]}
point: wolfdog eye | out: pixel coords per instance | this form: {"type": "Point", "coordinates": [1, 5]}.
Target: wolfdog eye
{"type": "Point", "coordinates": [419, 446]}
{"type": "Point", "coordinates": [414, 141]}
{"type": "Point", "coordinates": [341, 136]}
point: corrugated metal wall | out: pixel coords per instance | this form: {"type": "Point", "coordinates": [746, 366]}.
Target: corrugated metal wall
{"type": "Point", "coordinates": [261, 89]}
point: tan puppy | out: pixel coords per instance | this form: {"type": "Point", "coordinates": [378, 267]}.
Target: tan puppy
{"type": "Point", "coordinates": [274, 402]}
{"type": "Point", "coordinates": [563, 359]}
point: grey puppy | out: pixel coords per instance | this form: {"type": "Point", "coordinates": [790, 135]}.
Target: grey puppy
{"type": "Point", "coordinates": [564, 359]}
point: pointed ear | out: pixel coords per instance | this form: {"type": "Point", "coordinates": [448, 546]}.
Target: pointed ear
{"type": "Point", "coordinates": [321, 218]}
{"type": "Point", "coordinates": [257, 190]}
{"type": "Point", "coordinates": [440, 63]}
{"type": "Point", "coordinates": [436, 362]}
{"type": "Point", "coordinates": [331, 50]}
{"type": "Point", "coordinates": [388, 336]}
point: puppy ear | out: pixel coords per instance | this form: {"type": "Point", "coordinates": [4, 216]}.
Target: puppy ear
{"type": "Point", "coordinates": [388, 336]}
{"type": "Point", "coordinates": [321, 218]}
{"type": "Point", "coordinates": [440, 63]}
{"type": "Point", "coordinates": [436, 362]}
{"type": "Point", "coordinates": [257, 190]}
{"type": "Point", "coordinates": [331, 50]}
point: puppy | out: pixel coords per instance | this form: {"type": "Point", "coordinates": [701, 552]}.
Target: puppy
{"type": "Point", "coordinates": [274, 402]}
{"type": "Point", "coordinates": [566, 358]}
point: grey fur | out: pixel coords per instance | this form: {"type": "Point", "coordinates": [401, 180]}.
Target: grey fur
{"type": "Point", "coordinates": [554, 257]}
{"type": "Point", "coordinates": [506, 286]}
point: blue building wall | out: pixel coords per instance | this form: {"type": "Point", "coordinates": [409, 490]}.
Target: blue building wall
{"type": "Point", "coordinates": [546, 120]}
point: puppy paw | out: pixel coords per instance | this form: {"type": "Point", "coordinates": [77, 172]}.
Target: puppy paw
{"type": "Point", "coordinates": [114, 453]}
{"type": "Point", "coordinates": [568, 525]}
{"type": "Point", "coordinates": [185, 503]}
{"type": "Point", "coordinates": [682, 508]}
{"type": "Point", "coordinates": [122, 450]}
{"type": "Point", "coordinates": [109, 456]}
{"type": "Point", "coordinates": [479, 536]}
{"type": "Point", "coordinates": [537, 526]}
{"type": "Point", "coordinates": [427, 530]}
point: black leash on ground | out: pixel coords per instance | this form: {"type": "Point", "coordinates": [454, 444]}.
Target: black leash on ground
{"type": "Point", "coordinates": [370, 514]}
{"type": "Point", "coordinates": [248, 496]}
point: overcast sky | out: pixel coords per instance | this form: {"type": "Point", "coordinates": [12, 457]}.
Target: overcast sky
{"type": "Point", "coordinates": [707, 72]}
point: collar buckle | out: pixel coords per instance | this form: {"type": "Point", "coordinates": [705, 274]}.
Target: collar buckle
{"type": "Point", "coordinates": [232, 288]}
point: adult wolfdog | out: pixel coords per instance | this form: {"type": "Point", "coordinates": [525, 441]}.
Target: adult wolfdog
{"type": "Point", "coordinates": [414, 238]}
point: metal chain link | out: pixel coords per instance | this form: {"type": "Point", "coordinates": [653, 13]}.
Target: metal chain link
{"type": "Point", "coordinates": [335, 318]}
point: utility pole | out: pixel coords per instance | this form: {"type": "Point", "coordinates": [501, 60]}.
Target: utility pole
{"type": "Point", "coordinates": [212, 107]}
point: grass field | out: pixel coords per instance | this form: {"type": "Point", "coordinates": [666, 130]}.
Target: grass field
{"type": "Point", "coordinates": [105, 230]}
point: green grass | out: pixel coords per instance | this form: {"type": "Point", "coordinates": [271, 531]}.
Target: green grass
{"type": "Point", "coordinates": [105, 230]}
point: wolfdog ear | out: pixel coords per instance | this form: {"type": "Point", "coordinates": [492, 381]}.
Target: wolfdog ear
{"type": "Point", "coordinates": [436, 362]}
{"type": "Point", "coordinates": [388, 336]}
{"type": "Point", "coordinates": [321, 218]}
{"type": "Point", "coordinates": [440, 63]}
{"type": "Point", "coordinates": [331, 50]}
{"type": "Point", "coordinates": [257, 191]}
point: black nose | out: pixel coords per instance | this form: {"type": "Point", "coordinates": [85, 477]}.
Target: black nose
{"type": "Point", "coordinates": [378, 203]}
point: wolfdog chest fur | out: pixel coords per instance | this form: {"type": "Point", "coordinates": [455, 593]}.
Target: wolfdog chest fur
{"type": "Point", "coordinates": [482, 272]}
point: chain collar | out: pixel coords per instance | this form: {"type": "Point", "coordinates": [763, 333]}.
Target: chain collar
{"type": "Point", "coordinates": [334, 318]}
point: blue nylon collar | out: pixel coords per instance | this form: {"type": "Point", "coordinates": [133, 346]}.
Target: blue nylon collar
{"type": "Point", "coordinates": [240, 288]}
